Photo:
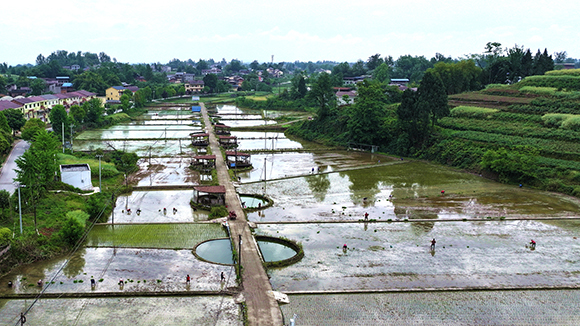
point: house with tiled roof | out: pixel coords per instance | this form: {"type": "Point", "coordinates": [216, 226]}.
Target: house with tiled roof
{"type": "Point", "coordinates": [114, 93]}
{"type": "Point", "coordinates": [26, 106]}
{"type": "Point", "coordinates": [194, 86]}
{"type": "Point", "coordinates": [4, 105]}
{"type": "Point", "coordinates": [345, 97]}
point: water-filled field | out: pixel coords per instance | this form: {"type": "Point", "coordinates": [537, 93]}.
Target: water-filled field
{"type": "Point", "coordinates": [126, 311]}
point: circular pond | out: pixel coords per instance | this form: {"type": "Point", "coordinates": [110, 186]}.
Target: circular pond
{"type": "Point", "coordinates": [253, 202]}
{"type": "Point", "coordinates": [215, 251]}
{"type": "Point", "coordinates": [273, 251]}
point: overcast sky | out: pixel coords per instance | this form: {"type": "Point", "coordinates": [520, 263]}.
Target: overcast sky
{"type": "Point", "coordinates": [157, 31]}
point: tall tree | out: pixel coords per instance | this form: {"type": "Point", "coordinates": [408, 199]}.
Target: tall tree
{"type": "Point", "coordinates": [298, 89]}
{"type": "Point", "coordinates": [432, 97]}
{"type": "Point", "coordinates": [58, 118]}
{"type": "Point", "coordinates": [367, 114]}
{"type": "Point", "coordinates": [15, 119]}
{"type": "Point", "coordinates": [4, 126]}
{"type": "Point", "coordinates": [210, 81]}
{"type": "Point", "coordinates": [37, 86]}
{"type": "Point", "coordinates": [413, 119]}
{"type": "Point", "coordinates": [94, 111]}
{"type": "Point", "coordinates": [382, 73]}
{"type": "Point", "coordinates": [322, 93]}
{"type": "Point", "coordinates": [374, 61]}
{"type": "Point", "coordinates": [36, 168]}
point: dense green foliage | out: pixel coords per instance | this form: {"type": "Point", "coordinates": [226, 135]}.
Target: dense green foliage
{"type": "Point", "coordinates": [218, 211]}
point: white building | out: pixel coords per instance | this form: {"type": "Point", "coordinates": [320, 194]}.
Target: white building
{"type": "Point", "coordinates": [76, 175]}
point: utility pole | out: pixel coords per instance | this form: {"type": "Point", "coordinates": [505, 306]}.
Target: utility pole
{"type": "Point", "coordinates": [63, 137]}
{"type": "Point", "coordinates": [100, 189]}
{"type": "Point", "coordinates": [71, 137]}
{"type": "Point", "coordinates": [113, 210]}
{"type": "Point", "coordinates": [20, 208]}
{"type": "Point", "coordinates": [240, 251]}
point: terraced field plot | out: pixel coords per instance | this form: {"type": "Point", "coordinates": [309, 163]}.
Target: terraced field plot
{"type": "Point", "coordinates": [216, 310]}
{"type": "Point", "coordinates": [151, 270]}
{"type": "Point", "coordinates": [152, 203]}
{"type": "Point", "coordinates": [166, 171]}
{"type": "Point", "coordinates": [437, 308]}
{"type": "Point", "coordinates": [166, 236]}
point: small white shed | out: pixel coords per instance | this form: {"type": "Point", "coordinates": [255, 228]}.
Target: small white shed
{"type": "Point", "coordinates": [76, 175]}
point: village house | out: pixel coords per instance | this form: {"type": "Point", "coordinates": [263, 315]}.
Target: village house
{"type": "Point", "coordinates": [194, 86]}
{"type": "Point", "coordinates": [114, 93]}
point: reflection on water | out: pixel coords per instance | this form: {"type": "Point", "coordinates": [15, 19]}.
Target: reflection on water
{"type": "Point", "coordinates": [217, 251]}
{"type": "Point", "coordinates": [273, 251]}
{"type": "Point", "coordinates": [318, 184]}
{"type": "Point", "coordinates": [252, 202]}
{"type": "Point", "coordinates": [416, 190]}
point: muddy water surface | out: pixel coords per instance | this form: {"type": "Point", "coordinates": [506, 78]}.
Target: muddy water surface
{"type": "Point", "coordinates": [152, 204]}
{"type": "Point", "coordinates": [403, 191]}
{"type": "Point", "coordinates": [398, 255]}
{"type": "Point", "coordinates": [142, 269]}
{"type": "Point", "coordinates": [194, 310]}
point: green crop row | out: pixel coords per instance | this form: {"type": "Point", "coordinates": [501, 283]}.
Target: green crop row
{"type": "Point", "coordinates": [511, 129]}
{"type": "Point", "coordinates": [497, 99]}
{"type": "Point", "coordinates": [538, 90]}
{"type": "Point", "coordinates": [556, 103]}
{"type": "Point", "coordinates": [560, 82]}
{"type": "Point", "coordinates": [564, 72]}
{"type": "Point", "coordinates": [510, 116]}
{"type": "Point", "coordinates": [546, 146]}
{"type": "Point", "coordinates": [559, 164]}
{"type": "Point", "coordinates": [540, 110]}
{"type": "Point", "coordinates": [472, 111]}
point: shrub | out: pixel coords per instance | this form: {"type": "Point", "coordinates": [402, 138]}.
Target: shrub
{"type": "Point", "coordinates": [118, 117]}
{"type": "Point", "coordinates": [5, 235]}
{"type": "Point", "coordinates": [217, 212]}
{"type": "Point", "coordinates": [74, 227]}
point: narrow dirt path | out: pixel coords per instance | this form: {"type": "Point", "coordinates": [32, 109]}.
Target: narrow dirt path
{"type": "Point", "coordinates": [263, 308]}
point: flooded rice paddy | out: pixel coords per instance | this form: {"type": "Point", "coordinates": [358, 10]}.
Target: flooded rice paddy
{"type": "Point", "coordinates": [152, 204]}
{"type": "Point", "coordinates": [494, 308]}
{"type": "Point", "coordinates": [126, 311]}
{"type": "Point", "coordinates": [153, 251]}
{"type": "Point", "coordinates": [142, 270]}
{"type": "Point", "coordinates": [139, 132]}
{"type": "Point", "coordinates": [409, 190]}
{"type": "Point", "coordinates": [157, 147]}
{"type": "Point", "coordinates": [282, 165]}
{"type": "Point", "coordinates": [166, 171]}
{"type": "Point", "coordinates": [398, 256]}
